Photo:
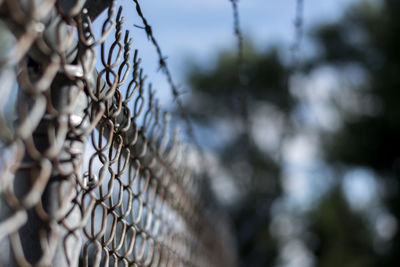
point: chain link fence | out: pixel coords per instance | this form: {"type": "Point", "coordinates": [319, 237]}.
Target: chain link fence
{"type": "Point", "coordinates": [91, 173]}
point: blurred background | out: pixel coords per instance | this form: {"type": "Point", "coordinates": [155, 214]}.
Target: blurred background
{"type": "Point", "coordinates": [303, 150]}
{"type": "Point", "coordinates": [307, 165]}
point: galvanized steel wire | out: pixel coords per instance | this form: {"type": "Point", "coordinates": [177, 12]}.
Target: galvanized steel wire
{"type": "Point", "coordinates": [132, 199]}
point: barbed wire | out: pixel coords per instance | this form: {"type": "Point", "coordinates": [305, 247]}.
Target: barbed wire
{"type": "Point", "coordinates": [163, 65]}
{"type": "Point", "coordinates": [299, 31]}
{"type": "Point", "coordinates": [241, 75]}
{"type": "Point", "coordinates": [239, 37]}
{"type": "Point", "coordinates": [130, 197]}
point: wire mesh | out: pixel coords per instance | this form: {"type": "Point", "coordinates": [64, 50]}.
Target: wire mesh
{"type": "Point", "coordinates": [90, 172]}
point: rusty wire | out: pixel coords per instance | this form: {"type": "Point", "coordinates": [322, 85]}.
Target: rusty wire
{"type": "Point", "coordinates": [239, 37]}
{"type": "Point", "coordinates": [163, 65]}
{"type": "Point", "coordinates": [90, 172]}
{"type": "Point", "coordinates": [241, 90]}
{"type": "Point", "coordinates": [298, 36]}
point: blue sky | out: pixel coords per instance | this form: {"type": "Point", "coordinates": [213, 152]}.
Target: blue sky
{"type": "Point", "coordinates": [197, 30]}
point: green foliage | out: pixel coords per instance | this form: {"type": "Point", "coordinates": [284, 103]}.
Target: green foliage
{"type": "Point", "coordinates": [343, 239]}
{"type": "Point", "coordinates": [367, 36]}
{"type": "Point", "coordinates": [220, 99]}
{"type": "Point", "coordinates": [265, 79]}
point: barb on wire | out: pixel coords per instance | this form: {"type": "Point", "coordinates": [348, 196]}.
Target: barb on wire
{"type": "Point", "coordinates": [242, 95]}
{"type": "Point", "coordinates": [298, 24]}
{"type": "Point", "coordinates": [239, 36]}
{"type": "Point", "coordinates": [164, 67]}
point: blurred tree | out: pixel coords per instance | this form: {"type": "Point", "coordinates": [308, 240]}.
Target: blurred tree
{"type": "Point", "coordinates": [367, 38]}
{"type": "Point", "coordinates": [342, 236]}
{"type": "Point", "coordinates": [229, 109]}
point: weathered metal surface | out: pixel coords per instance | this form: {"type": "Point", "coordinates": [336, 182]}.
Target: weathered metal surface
{"type": "Point", "coordinates": [89, 172]}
